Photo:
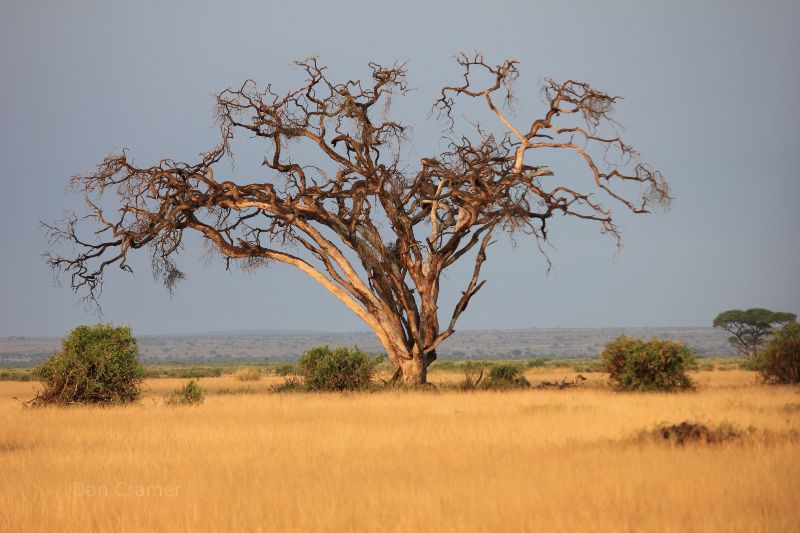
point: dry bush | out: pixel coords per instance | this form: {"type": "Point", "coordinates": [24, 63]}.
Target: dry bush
{"type": "Point", "coordinates": [688, 432]}
{"type": "Point", "coordinates": [248, 374]}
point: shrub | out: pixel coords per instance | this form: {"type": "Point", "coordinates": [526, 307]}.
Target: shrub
{"type": "Point", "coordinates": [96, 364]}
{"type": "Point", "coordinates": [248, 374]}
{"type": "Point", "coordinates": [290, 385]}
{"type": "Point", "coordinates": [688, 432]}
{"type": "Point", "coordinates": [341, 369]}
{"type": "Point", "coordinates": [779, 362]}
{"type": "Point", "coordinates": [286, 369]}
{"type": "Point", "coordinates": [654, 365]}
{"type": "Point", "coordinates": [473, 374]}
{"type": "Point", "coordinates": [189, 394]}
{"type": "Point", "coordinates": [505, 376]}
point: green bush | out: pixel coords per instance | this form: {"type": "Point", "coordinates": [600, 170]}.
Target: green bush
{"type": "Point", "coordinates": [96, 364]}
{"type": "Point", "coordinates": [286, 369]}
{"type": "Point", "coordinates": [505, 376]}
{"type": "Point", "coordinates": [290, 385]}
{"type": "Point", "coordinates": [779, 362]}
{"type": "Point", "coordinates": [189, 394]}
{"type": "Point", "coordinates": [341, 369]}
{"type": "Point", "coordinates": [654, 365]}
{"type": "Point", "coordinates": [473, 374]}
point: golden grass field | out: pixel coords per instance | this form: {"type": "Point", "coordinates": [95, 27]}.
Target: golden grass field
{"type": "Point", "coordinates": [533, 460]}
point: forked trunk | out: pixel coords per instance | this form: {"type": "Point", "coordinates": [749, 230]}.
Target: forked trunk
{"type": "Point", "coordinates": [409, 361]}
{"type": "Point", "coordinates": [413, 371]}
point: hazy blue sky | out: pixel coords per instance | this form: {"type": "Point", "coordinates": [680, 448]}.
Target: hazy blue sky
{"type": "Point", "coordinates": [711, 98]}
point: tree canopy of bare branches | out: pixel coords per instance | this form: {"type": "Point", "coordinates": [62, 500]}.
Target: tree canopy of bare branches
{"type": "Point", "coordinates": [370, 227]}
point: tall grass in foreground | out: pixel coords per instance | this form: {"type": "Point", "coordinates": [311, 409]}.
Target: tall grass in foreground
{"type": "Point", "coordinates": [544, 460]}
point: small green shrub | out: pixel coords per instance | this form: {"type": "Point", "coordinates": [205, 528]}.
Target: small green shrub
{"type": "Point", "coordinates": [96, 364]}
{"type": "Point", "coordinates": [290, 385]}
{"type": "Point", "coordinates": [505, 376]}
{"type": "Point", "coordinates": [286, 369]}
{"type": "Point", "coordinates": [189, 394]}
{"type": "Point", "coordinates": [341, 369]}
{"type": "Point", "coordinates": [654, 365]}
{"type": "Point", "coordinates": [779, 362]}
{"type": "Point", "coordinates": [473, 374]}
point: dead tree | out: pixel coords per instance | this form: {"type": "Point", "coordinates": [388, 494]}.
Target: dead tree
{"type": "Point", "coordinates": [375, 231]}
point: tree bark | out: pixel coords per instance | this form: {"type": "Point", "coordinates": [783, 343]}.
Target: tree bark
{"type": "Point", "coordinates": [413, 371]}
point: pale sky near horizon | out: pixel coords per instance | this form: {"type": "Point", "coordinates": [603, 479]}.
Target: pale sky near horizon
{"type": "Point", "coordinates": [711, 99]}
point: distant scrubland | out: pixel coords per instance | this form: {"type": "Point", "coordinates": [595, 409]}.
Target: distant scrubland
{"type": "Point", "coordinates": [285, 346]}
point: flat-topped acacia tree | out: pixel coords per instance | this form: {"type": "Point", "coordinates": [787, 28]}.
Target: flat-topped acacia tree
{"type": "Point", "coordinates": [372, 228]}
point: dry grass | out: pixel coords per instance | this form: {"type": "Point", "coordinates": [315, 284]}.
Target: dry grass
{"type": "Point", "coordinates": [398, 461]}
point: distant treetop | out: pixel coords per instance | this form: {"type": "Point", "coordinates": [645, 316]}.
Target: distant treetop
{"type": "Point", "coordinates": [750, 327]}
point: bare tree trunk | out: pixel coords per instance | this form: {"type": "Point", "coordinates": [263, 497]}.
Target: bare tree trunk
{"type": "Point", "coordinates": [413, 371]}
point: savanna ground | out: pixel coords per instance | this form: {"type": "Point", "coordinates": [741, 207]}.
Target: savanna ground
{"type": "Point", "coordinates": [446, 460]}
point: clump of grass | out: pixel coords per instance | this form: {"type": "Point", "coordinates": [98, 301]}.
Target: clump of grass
{"type": "Point", "coordinates": [16, 374]}
{"type": "Point", "coordinates": [688, 432]}
{"type": "Point", "coordinates": [239, 390]}
{"type": "Point", "coordinates": [189, 394]}
{"type": "Point", "coordinates": [791, 408]}
{"type": "Point", "coordinates": [290, 385]}
{"type": "Point", "coordinates": [286, 369]}
{"type": "Point", "coordinates": [10, 446]}
{"type": "Point", "coordinates": [248, 374]}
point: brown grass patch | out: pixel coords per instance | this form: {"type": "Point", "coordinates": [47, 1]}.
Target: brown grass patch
{"type": "Point", "coordinates": [554, 460]}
